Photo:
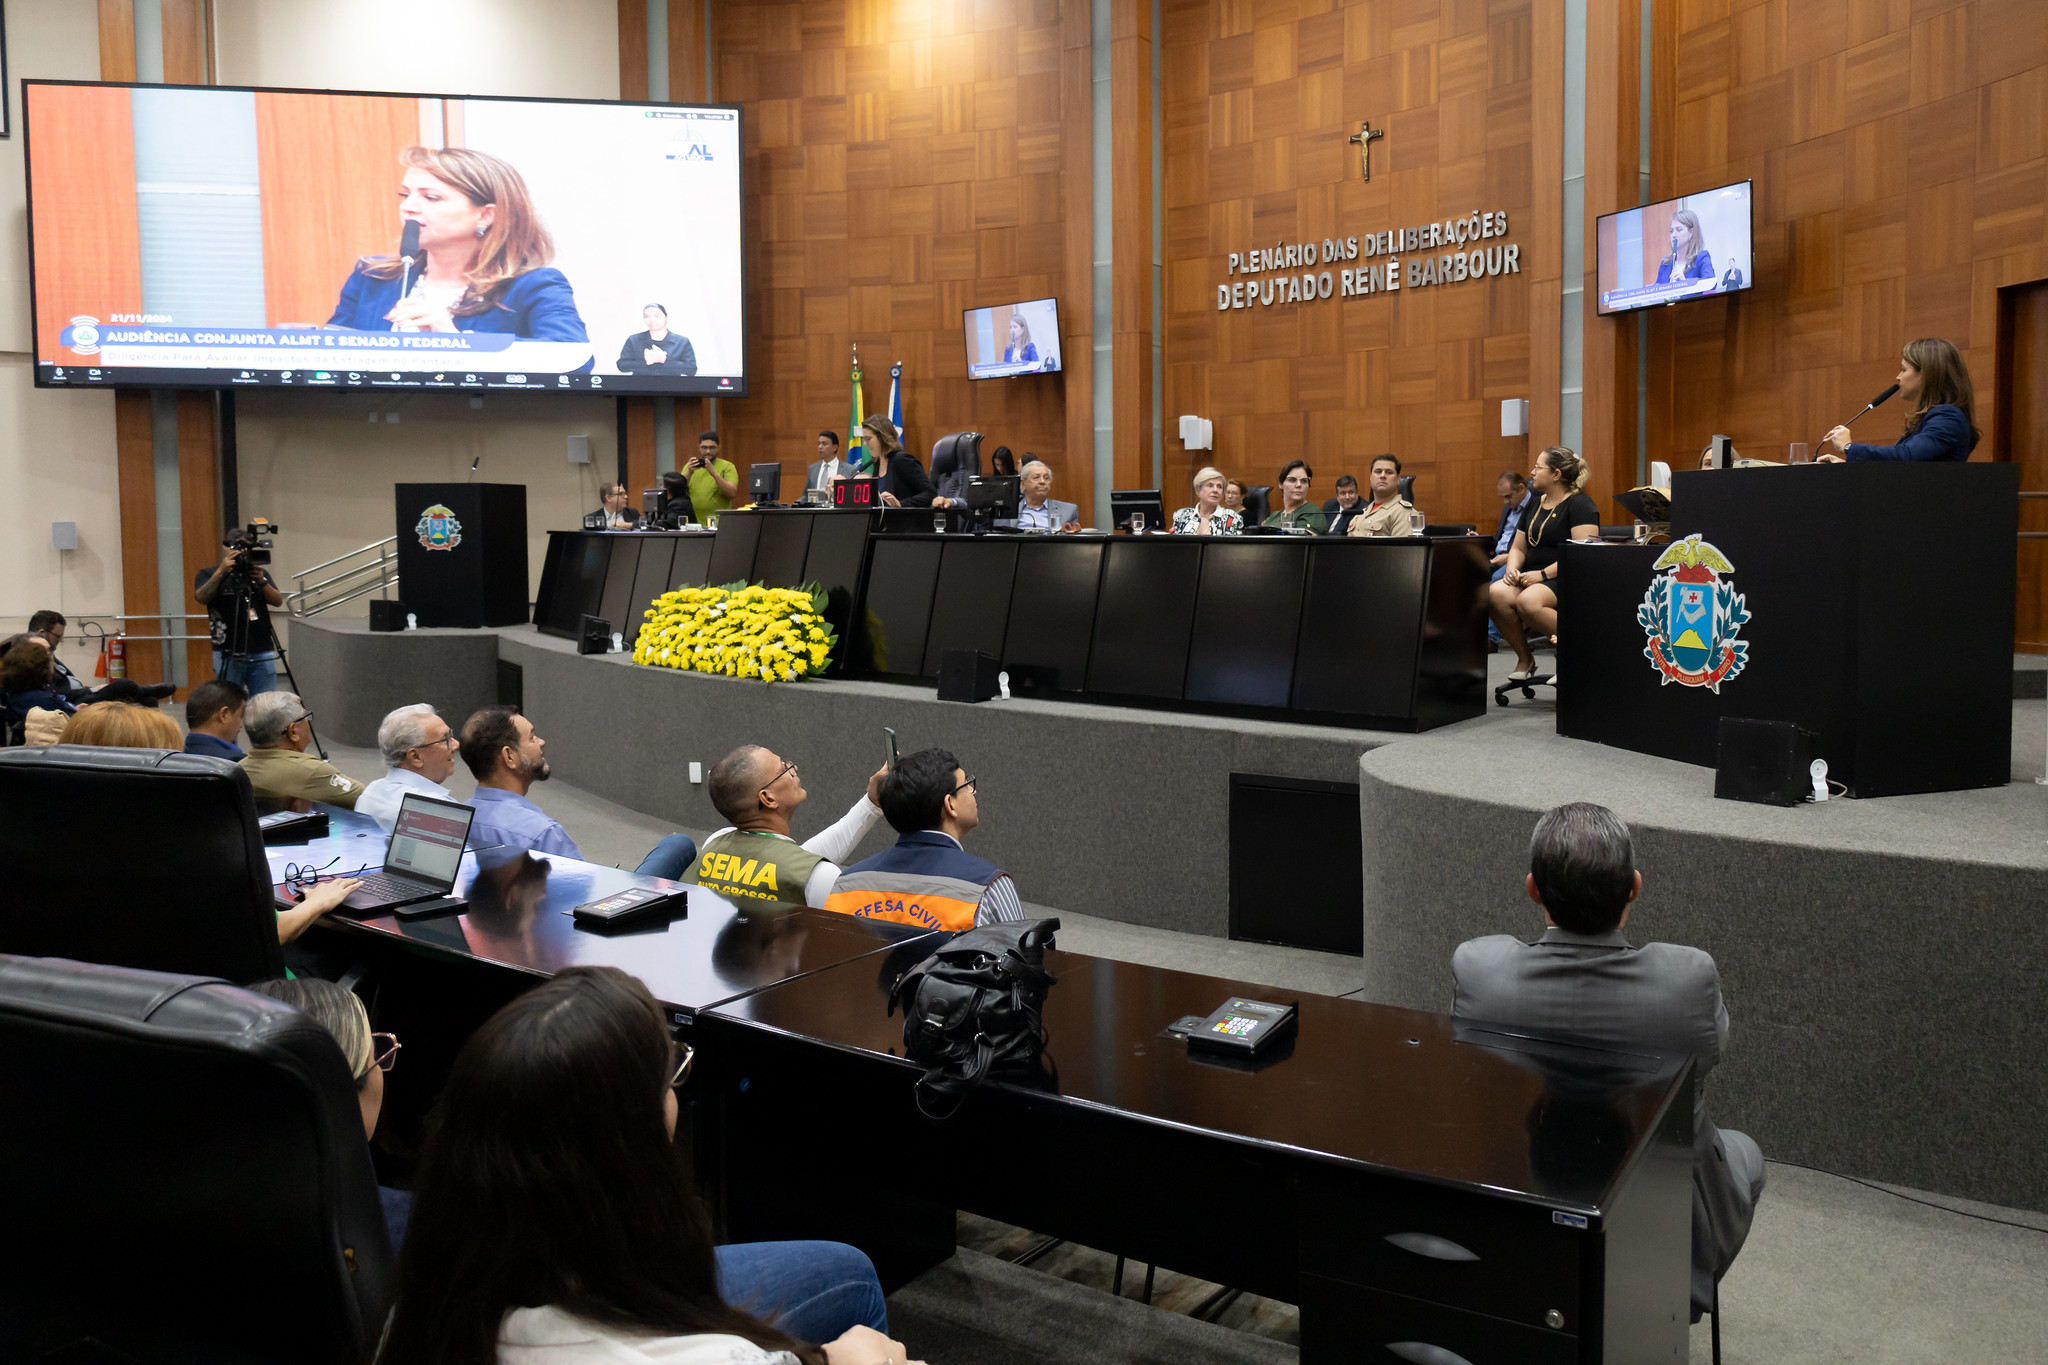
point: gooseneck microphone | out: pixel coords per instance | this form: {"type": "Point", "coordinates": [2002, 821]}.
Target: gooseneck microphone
{"type": "Point", "coordinates": [409, 253]}
{"type": "Point", "coordinates": [472, 468]}
{"type": "Point", "coordinates": [1875, 402]}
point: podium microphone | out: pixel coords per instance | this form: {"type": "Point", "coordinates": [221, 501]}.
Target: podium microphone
{"type": "Point", "coordinates": [409, 253]}
{"type": "Point", "coordinates": [472, 468]}
{"type": "Point", "coordinates": [1878, 401]}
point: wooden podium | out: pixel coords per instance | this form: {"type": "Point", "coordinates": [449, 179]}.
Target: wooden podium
{"type": "Point", "coordinates": [1874, 601]}
{"type": "Point", "coordinates": [462, 553]}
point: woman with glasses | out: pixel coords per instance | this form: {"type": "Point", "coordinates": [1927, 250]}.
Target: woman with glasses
{"type": "Point", "coordinates": [556, 1222]}
{"type": "Point", "coordinates": [368, 1055]}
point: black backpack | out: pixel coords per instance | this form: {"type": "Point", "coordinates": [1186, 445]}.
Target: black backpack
{"type": "Point", "coordinates": [971, 1010]}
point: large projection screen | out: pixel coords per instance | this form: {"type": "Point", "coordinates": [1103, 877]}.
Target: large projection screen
{"type": "Point", "coordinates": [212, 237]}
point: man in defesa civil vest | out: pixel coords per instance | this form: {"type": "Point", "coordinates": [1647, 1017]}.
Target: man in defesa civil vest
{"type": "Point", "coordinates": [928, 879]}
{"type": "Point", "coordinates": [753, 862]}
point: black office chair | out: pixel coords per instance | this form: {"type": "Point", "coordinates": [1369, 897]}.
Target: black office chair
{"type": "Point", "coordinates": [1258, 504]}
{"type": "Point", "coordinates": [1407, 487]}
{"type": "Point", "coordinates": [135, 858]}
{"type": "Point", "coordinates": [959, 453]}
{"type": "Point", "coordinates": [184, 1174]}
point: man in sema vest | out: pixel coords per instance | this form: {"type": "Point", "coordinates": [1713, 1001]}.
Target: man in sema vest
{"type": "Point", "coordinates": [753, 862]}
{"type": "Point", "coordinates": [928, 879]}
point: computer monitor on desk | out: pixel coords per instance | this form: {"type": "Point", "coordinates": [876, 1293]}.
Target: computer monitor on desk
{"type": "Point", "coordinates": [764, 481]}
{"type": "Point", "coordinates": [1145, 501]}
{"type": "Point", "coordinates": [993, 497]}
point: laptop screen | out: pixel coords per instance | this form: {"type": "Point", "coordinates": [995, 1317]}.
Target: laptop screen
{"type": "Point", "coordinates": [427, 841]}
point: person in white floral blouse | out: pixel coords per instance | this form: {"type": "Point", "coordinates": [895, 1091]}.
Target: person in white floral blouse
{"type": "Point", "coordinates": [1208, 517]}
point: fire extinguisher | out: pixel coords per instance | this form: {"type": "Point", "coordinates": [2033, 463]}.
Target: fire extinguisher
{"type": "Point", "coordinates": [116, 659]}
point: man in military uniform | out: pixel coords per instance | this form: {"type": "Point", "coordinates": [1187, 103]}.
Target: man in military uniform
{"type": "Point", "coordinates": [1388, 514]}
{"type": "Point", "coordinates": [284, 775]}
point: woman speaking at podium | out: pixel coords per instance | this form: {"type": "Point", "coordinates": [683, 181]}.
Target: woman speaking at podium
{"type": "Point", "coordinates": [1524, 597]}
{"type": "Point", "coordinates": [1943, 422]}
{"type": "Point", "coordinates": [481, 264]}
{"type": "Point", "coordinates": [1689, 258]}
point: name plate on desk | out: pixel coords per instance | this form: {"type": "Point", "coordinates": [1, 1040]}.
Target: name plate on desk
{"type": "Point", "coordinates": [857, 493]}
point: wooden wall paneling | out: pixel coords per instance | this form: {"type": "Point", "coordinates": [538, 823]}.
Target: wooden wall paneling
{"type": "Point", "coordinates": [637, 415]}
{"type": "Point", "coordinates": [904, 163]}
{"type": "Point", "coordinates": [1077, 247]}
{"type": "Point", "coordinates": [1663, 176]}
{"type": "Point", "coordinates": [1613, 158]}
{"type": "Point", "coordinates": [1546, 322]}
{"type": "Point", "coordinates": [199, 513]}
{"type": "Point", "coordinates": [88, 246]}
{"type": "Point", "coordinates": [185, 49]}
{"type": "Point", "coordinates": [633, 48]}
{"type": "Point", "coordinates": [135, 465]}
{"type": "Point", "coordinates": [117, 40]}
{"type": "Point", "coordinates": [686, 39]}
{"type": "Point", "coordinates": [318, 221]}
{"type": "Point", "coordinates": [2022, 439]}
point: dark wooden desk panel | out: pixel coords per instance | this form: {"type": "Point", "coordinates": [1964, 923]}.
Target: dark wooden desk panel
{"type": "Point", "coordinates": [1373, 1123]}
{"type": "Point", "coordinates": [576, 587]}
{"type": "Point", "coordinates": [621, 568]}
{"type": "Point", "coordinates": [1144, 617]}
{"type": "Point", "coordinates": [657, 562]}
{"type": "Point", "coordinates": [971, 606]}
{"type": "Point", "coordinates": [733, 549]}
{"type": "Point", "coordinates": [692, 567]}
{"type": "Point", "coordinates": [1052, 613]}
{"type": "Point", "coordinates": [785, 541]}
{"type": "Point", "coordinates": [1247, 618]}
{"type": "Point", "coordinates": [903, 575]}
{"type": "Point", "coordinates": [1361, 626]}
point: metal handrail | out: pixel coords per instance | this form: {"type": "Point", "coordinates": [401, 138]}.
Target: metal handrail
{"type": "Point", "coordinates": [359, 579]}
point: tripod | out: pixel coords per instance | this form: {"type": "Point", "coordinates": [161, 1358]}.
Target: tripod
{"type": "Point", "coordinates": [236, 648]}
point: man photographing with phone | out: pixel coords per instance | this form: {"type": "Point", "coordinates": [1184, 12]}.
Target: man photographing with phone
{"type": "Point", "coordinates": [714, 482]}
{"type": "Point", "coordinates": [753, 862]}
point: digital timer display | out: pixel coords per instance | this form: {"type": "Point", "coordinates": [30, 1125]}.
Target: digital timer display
{"type": "Point", "coordinates": [856, 493]}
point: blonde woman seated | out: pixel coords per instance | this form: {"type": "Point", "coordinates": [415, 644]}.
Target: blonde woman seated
{"type": "Point", "coordinates": [1208, 517]}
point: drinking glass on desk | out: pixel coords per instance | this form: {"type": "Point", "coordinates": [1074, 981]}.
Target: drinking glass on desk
{"type": "Point", "coordinates": [1137, 523]}
{"type": "Point", "coordinates": [1798, 453]}
{"type": "Point", "coordinates": [711, 521]}
{"type": "Point", "coordinates": [1415, 521]}
{"type": "Point", "coordinates": [938, 521]}
{"type": "Point", "coordinates": [1640, 533]}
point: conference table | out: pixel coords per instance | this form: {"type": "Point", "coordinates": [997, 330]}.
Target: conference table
{"type": "Point", "coordinates": [1416, 1185]}
{"type": "Point", "coordinates": [1382, 632]}
{"type": "Point", "coordinates": [1425, 1191]}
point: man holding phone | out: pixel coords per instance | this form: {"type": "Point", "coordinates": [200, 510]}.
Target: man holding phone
{"type": "Point", "coordinates": [754, 862]}
{"type": "Point", "coordinates": [714, 482]}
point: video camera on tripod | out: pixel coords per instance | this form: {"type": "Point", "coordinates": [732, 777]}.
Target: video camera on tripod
{"type": "Point", "coordinates": [255, 544]}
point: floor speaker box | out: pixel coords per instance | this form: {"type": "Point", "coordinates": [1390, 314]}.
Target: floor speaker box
{"type": "Point", "coordinates": [966, 675]}
{"type": "Point", "coordinates": [1765, 760]}
{"type": "Point", "coordinates": [387, 615]}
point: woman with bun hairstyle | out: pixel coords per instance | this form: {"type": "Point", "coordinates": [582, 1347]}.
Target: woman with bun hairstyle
{"type": "Point", "coordinates": [1524, 598]}
{"type": "Point", "coordinates": [1942, 424]}
{"type": "Point", "coordinates": [482, 263]}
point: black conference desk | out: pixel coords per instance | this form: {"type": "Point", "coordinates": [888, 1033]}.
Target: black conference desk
{"type": "Point", "coordinates": [1413, 1185]}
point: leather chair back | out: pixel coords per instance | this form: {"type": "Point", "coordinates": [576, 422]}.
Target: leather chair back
{"type": "Point", "coordinates": [135, 858]}
{"type": "Point", "coordinates": [1258, 504]}
{"type": "Point", "coordinates": [1407, 487]}
{"type": "Point", "coordinates": [182, 1165]}
{"type": "Point", "coordinates": [958, 453]}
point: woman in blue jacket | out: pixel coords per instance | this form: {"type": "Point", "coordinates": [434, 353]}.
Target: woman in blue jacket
{"type": "Point", "coordinates": [1942, 424]}
{"type": "Point", "coordinates": [1688, 245]}
{"type": "Point", "coordinates": [482, 263]}
{"type": "Point", "coordinates": [1021, 347]}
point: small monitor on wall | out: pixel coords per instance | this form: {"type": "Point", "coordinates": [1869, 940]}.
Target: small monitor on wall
{"type": "Point", "coordinates": [1013, 339]}
{"type": "Point", "coordinates": [1686, 248]}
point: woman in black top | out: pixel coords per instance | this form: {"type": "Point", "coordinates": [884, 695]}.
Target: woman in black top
{"type": "Point", "coordinates": [1525, 595]}
{"type": "Point", "coordinates": [904, 482]}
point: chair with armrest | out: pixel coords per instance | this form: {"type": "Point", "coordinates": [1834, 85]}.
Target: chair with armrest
{"type": "Point", "coordinates": [135, 858]}
{"type": "Point", "coordinates": [957, 456]}
{"type": "Point", "coordinates": [184, 1173]}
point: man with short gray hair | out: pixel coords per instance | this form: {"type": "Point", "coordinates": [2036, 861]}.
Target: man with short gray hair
{"type": "Point", "coordinates": [418, 750]}
{"type": "Point", "coordinates": [1037, 509]}
{"type": "Point", "coordinates": [1583, 980]}
{"type": "Point", "coordinates": [283, 774]}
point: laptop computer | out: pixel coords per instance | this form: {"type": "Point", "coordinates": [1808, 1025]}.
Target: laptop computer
{"type": "Point", "coordinates": [426, 849]}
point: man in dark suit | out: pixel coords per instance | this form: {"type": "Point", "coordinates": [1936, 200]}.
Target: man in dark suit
{"type": "Point", "coordinates": [1342, 508]}
{"type": "Point", "coordinates": [1583, 980]}
{"type": "Point", "coordinates": [828, 466]}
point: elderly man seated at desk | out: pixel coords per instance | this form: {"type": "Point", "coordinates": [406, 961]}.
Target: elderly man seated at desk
{"type": "Point", "coordinates": [1037, 509]}
{"type": "Point", "coordinates": [1583, 979]}
{"type": "Point", "coordinates": [283, 774]}
{"type": "Point", "coordinates": [419, 756]}
{"type": "Point", "coordinates": [753, 861]}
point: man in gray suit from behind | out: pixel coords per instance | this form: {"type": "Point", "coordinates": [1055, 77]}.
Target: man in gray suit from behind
{"type": "Point", "coordinates": [1582, 979]}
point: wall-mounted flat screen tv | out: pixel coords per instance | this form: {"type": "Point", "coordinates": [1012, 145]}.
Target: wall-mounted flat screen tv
{"type": "Point", "coordinates": [1685, 248]}
{"type": "Point", "coordinates": [212, 237]}
{"type": "Point", "coordinates": [1012, 339]}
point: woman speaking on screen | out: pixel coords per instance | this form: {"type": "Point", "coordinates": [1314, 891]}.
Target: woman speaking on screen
{"type": "Point", "coordinates": [481, 264]}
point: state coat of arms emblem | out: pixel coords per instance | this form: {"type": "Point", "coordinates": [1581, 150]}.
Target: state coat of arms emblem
{"type": "Point", "coordinates": [438, 529]}
{"type": "Point", "coordinates": [1691, 614]}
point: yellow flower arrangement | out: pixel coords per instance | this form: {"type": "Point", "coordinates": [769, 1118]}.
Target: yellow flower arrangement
{"type": "Point", "coordinates": [742, 631]}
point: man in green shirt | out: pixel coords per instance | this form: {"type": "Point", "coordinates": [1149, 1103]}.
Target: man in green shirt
{"type": "Point", "coordinates": [714, 482]}
{"type": "Point", "coordinates": [754, 862]}
{"type": "Point", "coordinates": [1295, 508]}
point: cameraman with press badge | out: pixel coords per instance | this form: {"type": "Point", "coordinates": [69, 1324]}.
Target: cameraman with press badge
{"type": "Point", "coordinates": [238, 596]}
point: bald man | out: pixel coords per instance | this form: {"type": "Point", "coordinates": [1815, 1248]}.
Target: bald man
{"type": "Point", "coordinates": [754, 862]}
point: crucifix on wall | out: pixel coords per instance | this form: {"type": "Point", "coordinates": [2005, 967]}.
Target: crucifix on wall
{"type": "Point", "coordinates": [1365, 137]}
